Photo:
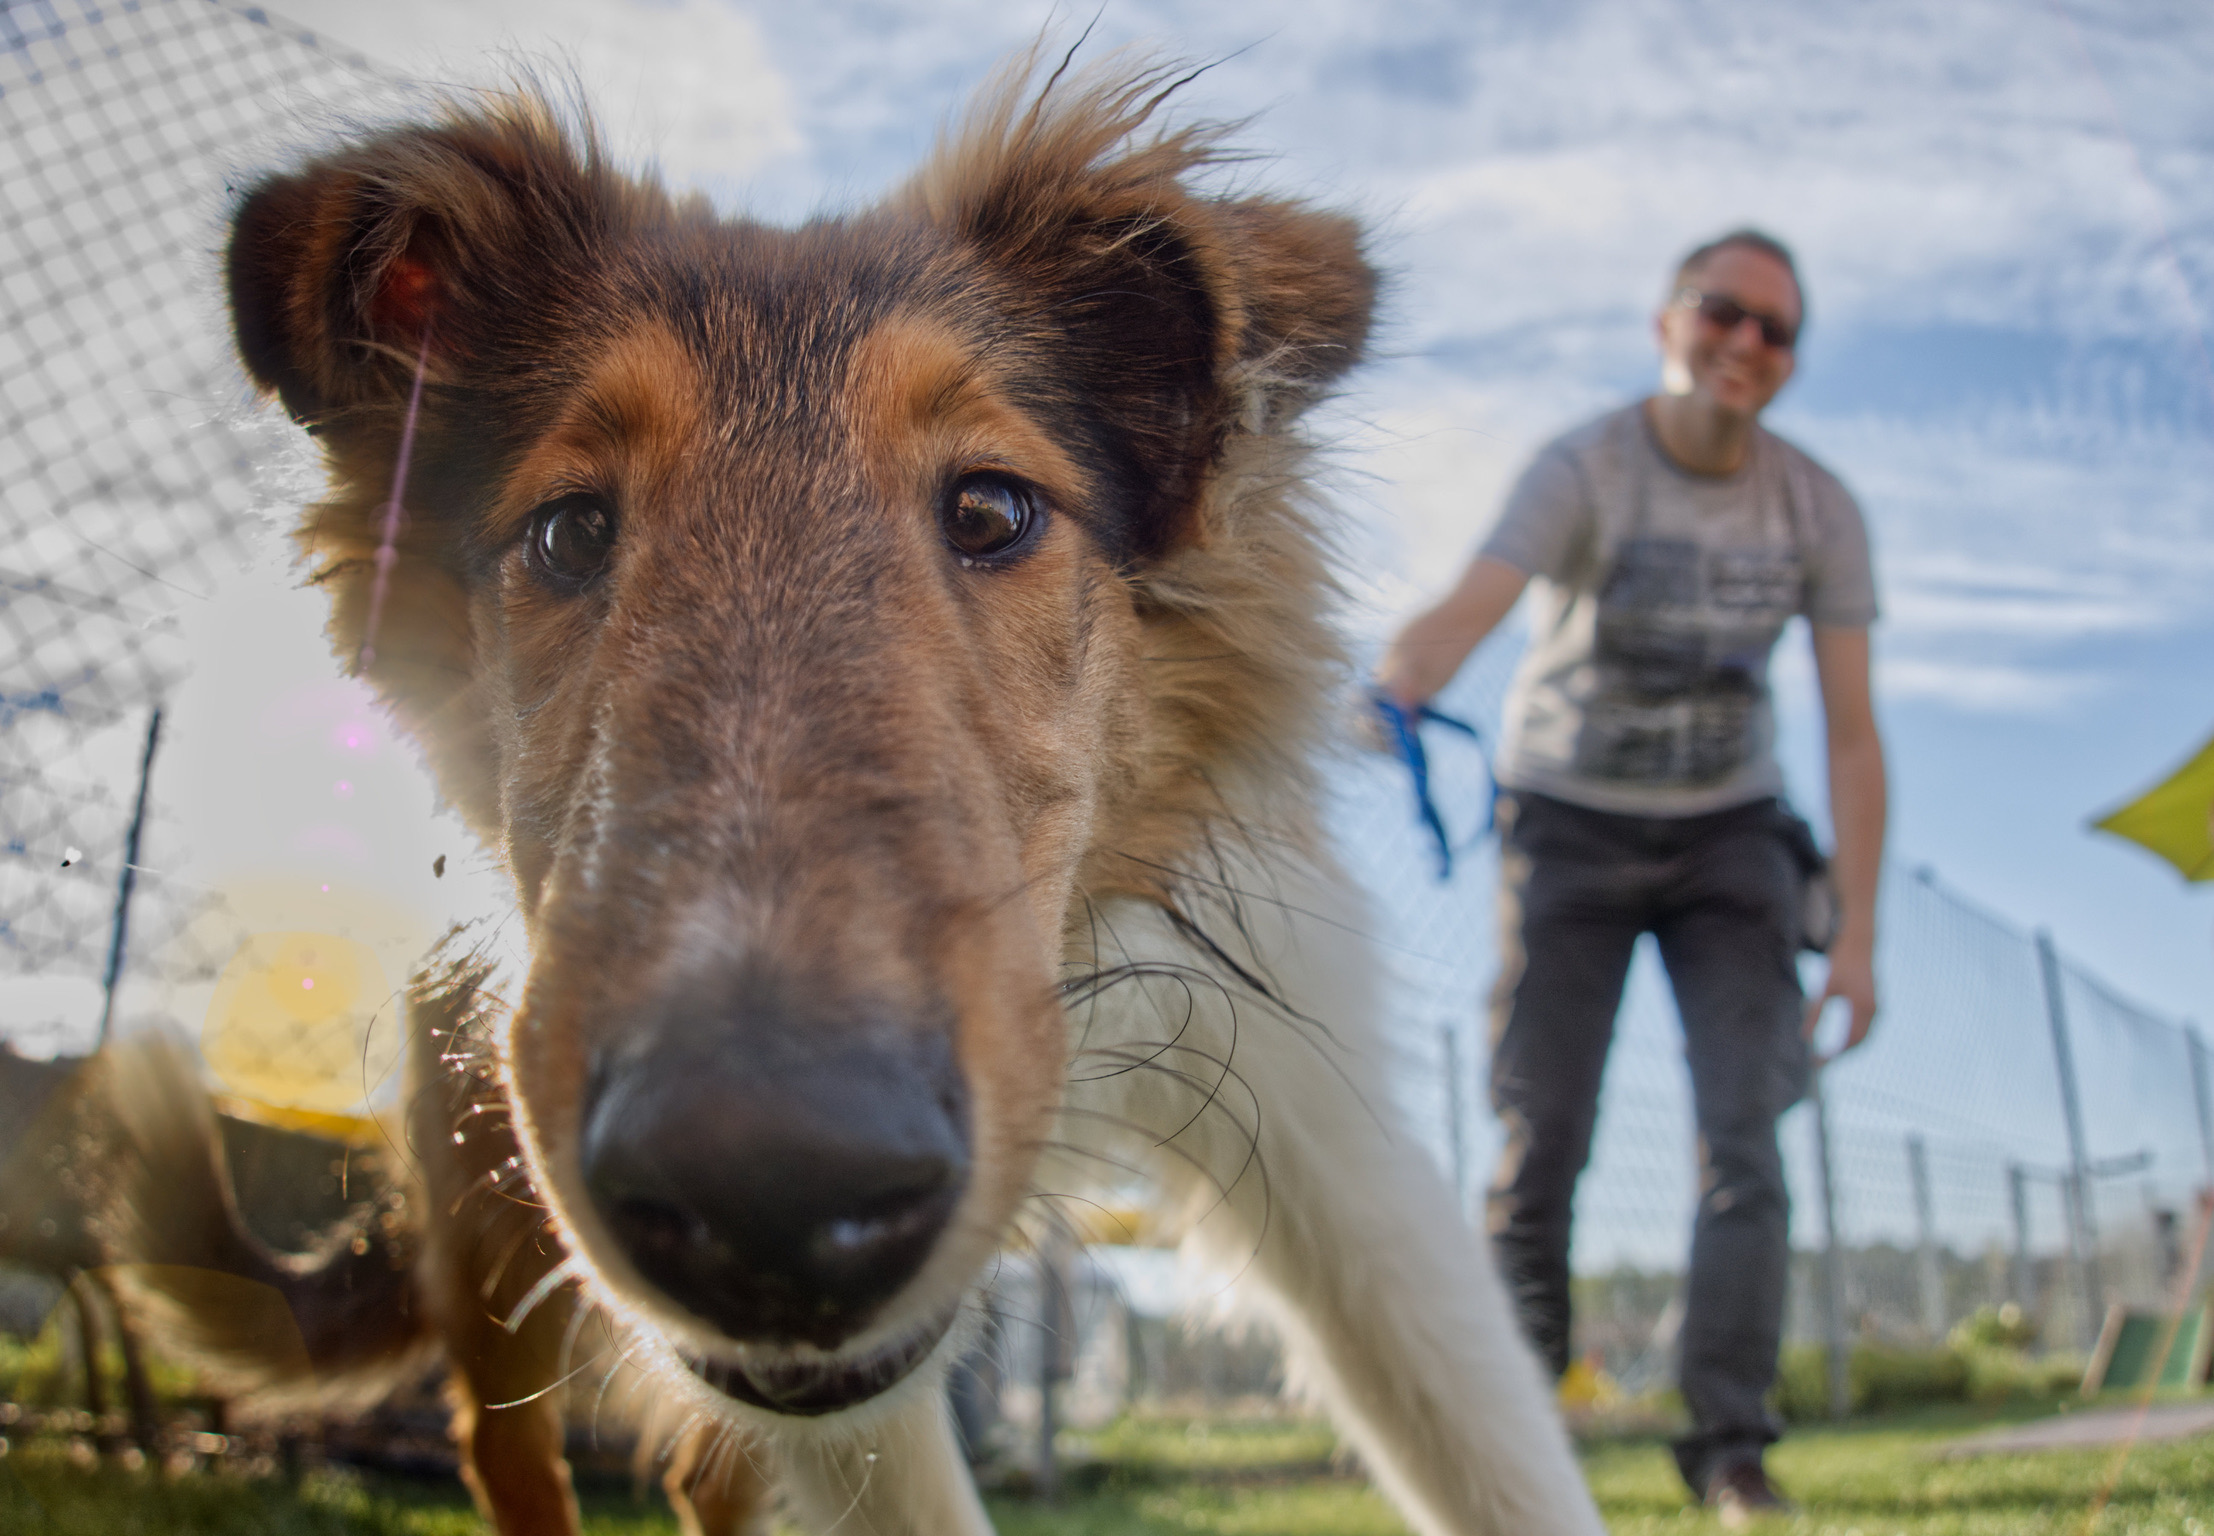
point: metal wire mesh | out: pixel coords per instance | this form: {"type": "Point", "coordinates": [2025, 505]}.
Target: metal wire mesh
{"type": "Point", "coordinates": [128, 481]}
{"type": "Point", "coordinates": [1964, 1062]}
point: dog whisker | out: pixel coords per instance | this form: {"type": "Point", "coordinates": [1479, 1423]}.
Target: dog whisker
{"type": "Point", "coordinates": [553, 1280]}
{"type": "Point", "coordinates": [1231, 888]}
{"type": "Point", "coordinates": [554, 1386]}
{"type": "Point", "coordinates": [674, 1439]}
{"type": "Point", "coordinates": [491, 1281]}
{"type": "Point", "coordinates": [1092, 986]}
{"type": "Point", "coordinates": [579, 1316]}
{"type": "Point", "coordinates": [1070, 1229]}
{"type": "Point", "coordinates": [766, 807]}
{"type": "Point", "coordinates": [1189, 1159]}
{"type": "Point", "coordinates": [599, 1398]}
{"type": "Point", "coordinates": [1084, 1153]}
{"type": "Point", "coordinates": [1252, 1160]}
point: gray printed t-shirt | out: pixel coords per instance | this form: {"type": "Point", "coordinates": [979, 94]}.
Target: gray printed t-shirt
{"type": "Point", "coordinates": [1658, 597]}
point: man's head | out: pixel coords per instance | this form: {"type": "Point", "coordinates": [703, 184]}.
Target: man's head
{"type": "Point", "coordinates": [1730, 322]}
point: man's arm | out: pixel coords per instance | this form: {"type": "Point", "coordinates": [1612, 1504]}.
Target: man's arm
{"type": "Point", "coordinates": [1426, 654]}
{"type": "Point", "coordinates": [1857, 811]}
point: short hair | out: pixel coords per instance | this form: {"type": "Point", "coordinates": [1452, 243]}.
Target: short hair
{"type": "Point", "coordinates": [1747, 239]}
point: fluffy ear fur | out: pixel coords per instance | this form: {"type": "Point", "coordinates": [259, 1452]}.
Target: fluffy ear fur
{"type": "Point", "coordinates": [421, 247]}
{"type": "Point", "coordinates": [341, 272]}
{"type": "Point", "coordinates": [1191, 317]}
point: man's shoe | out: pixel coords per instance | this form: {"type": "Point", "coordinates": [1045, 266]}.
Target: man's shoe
{"type": "Point", "coordinates": [1739, 1493]}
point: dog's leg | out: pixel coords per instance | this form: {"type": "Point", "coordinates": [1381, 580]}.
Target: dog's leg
{"type": "Point", "coordinates": [717, 1483]}
{"type": "Point", "coordinates": [489, 1276]}
{"type": "Point", "coordinates": [137, 1388]}
{"type": "Point", "coordinates": [1339, 1223]}
{"type": "Point", "coordinates": [505, 1384]}
{"type": "Point", "coordinates": [901, 1474]}
{"type": "Point", "coordinates": [88, 1349]}
{"type": "Point", "coordinates": [511, 1459]}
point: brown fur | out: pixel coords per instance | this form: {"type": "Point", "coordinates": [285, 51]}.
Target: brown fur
{"type": "Point", "coordinates": [788, 724]}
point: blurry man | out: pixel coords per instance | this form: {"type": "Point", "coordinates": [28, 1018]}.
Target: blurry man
{"type": "Point", "coordinates": [1671, 541]}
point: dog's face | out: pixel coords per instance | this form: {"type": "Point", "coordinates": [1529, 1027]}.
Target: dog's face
{"type": "Point", "coordinates": [778, 603]}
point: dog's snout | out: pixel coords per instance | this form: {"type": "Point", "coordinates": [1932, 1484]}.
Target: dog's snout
{"type": "Point", "coordinates": [781, 1184]}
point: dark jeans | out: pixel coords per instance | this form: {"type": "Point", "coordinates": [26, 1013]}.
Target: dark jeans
{"type": "Point", "coordinates": [1721, 894]}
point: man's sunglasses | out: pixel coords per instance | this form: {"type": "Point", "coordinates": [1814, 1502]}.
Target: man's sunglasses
{"type": "Point", "coordinates": [1726, 314]}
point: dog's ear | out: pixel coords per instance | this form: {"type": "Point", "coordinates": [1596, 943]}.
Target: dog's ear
{"type": "Point", "coordinates": [1185, 318]}
{"type": "Point", "coordinates": [1307, 293]}
{"type": "Point", "coordinates": [416, 240]}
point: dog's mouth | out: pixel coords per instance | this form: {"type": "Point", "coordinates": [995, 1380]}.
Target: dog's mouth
{"type": "Point", "coordinates": [810, 1385]}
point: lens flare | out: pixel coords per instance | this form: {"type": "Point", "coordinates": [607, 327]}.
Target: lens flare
{"type": "Point", "coordinates": [289, 1024]}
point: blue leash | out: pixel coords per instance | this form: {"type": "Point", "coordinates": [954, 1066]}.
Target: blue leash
{"type": "Point", "coordinates": [1406, 736]}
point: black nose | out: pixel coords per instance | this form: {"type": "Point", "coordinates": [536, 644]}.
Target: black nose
{"type": "Point", "coordinates": [778, 1178]}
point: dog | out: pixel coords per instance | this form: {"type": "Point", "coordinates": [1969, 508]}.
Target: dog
{"type": "Point", "coordinates": [47, 1139]}
{"type": "Point", "coordinates": [891, 656]}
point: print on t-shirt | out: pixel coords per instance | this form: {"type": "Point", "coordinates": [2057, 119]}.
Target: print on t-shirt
{"type": "Point", "coordinates": [1680, 657]}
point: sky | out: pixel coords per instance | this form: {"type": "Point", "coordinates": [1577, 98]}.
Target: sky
{"type": "Point", "coordinates": [2003, 214]}
{"type": "Point", "coordinates": [2002, 211]}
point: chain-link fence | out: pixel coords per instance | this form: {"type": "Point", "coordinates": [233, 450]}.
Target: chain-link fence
{"type": "Point", "coordinates": [129, 481]}
{"type": "Point", "coordinates": [129, 476]}
{"type": "Point", "coordinates": [1955, 1171]}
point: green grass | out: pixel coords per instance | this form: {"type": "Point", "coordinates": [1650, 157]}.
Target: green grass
{"type": "Point", "coordinates": [44, 1493]}
{"type": "Point", "coordinates": [1158, 1477]}
{"type": "Point", "coordinates": [1882, 1479]}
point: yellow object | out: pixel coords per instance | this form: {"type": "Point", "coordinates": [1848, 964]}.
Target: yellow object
{"type": "Point", "coordinates": [2175, 818]}
{"type": "Point", "coordinates": [292, 1024]}
{"type": "Point", "coordinates": [353, 1130]}
{"type": "Point", "coordinates": [1119, 1226]}
{"type": "Point", "coordinates": [1587, 1385]}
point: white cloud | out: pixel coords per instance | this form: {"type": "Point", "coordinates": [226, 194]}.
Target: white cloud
{"type": "Point", "coordinates": [1990, 612]}
{"type": "Point", "coordinates": [1984, 688]}
{"type": "Point", "coordinates": [687, 83]}
{"type": "Point", "coordinates": [1954, 166]}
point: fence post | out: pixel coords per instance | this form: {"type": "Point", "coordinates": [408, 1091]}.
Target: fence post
{"type": "Point", "coordinates": [125, 882]}
{"type": "Point", "coordinates": [1456, 1119]}
{"type": "Point", "coordinates": [1833, 1259]}
{"type": "Point", "coordinates": [1057, 1322]}
{"type": "Point", "coordinates": [1925, 1222]}
{"type": "Point", "coordinates": [2083, 1239]}
{"type": "Point", "coordinates": [2202, 1096]}
{"type": "Point", "coordinates": [2025, 1278]}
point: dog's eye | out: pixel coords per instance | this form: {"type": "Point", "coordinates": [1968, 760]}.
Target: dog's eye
{"type": "Point", "coordinates": [571, 538]}
{"type": "Point", "coordinates": [987, 515]}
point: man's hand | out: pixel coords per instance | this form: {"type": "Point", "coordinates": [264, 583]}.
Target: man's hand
{"type": "Point", "coordinates": [1423, 657]}
{"type": "Point", "coordinates": [1857, 811]}
{"type": "Point", "coordinates": [1852, 977]}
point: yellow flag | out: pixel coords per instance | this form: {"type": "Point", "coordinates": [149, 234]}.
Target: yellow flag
{"type": "Point", "coordinates": [2175, 818]}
